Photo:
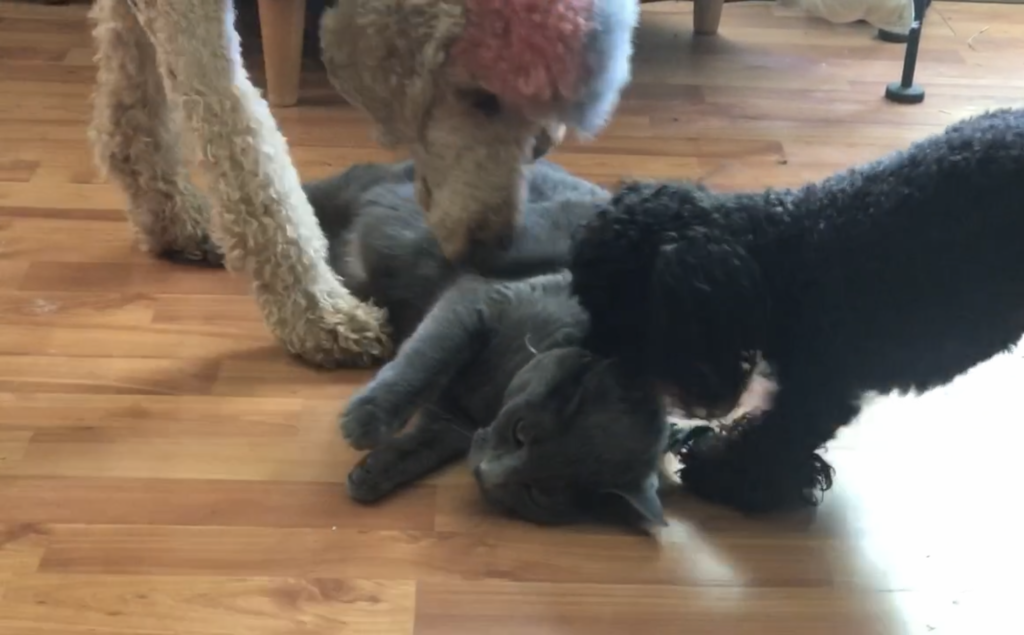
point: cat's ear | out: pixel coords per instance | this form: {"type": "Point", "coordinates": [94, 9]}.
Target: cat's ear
{"type": "Point", "coordinates": [590, 383]}
{"type": "Point", "coordinates": [577, 381]}
{"type": "Point", "coordinates": [644, 499]}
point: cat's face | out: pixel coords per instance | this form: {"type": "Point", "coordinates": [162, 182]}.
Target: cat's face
{"type": "Point", "coordinates": [575, 440]}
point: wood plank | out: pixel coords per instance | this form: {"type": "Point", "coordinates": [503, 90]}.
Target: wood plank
{"type": "Point", "coordinates": [227, 458]}
{"type": "Point", "coordinates": [11, 272]}
{"type": "Point", "coordinates": [21, 548]}
{"type": "Point", "coordinates": [56, 417]}
{"type": "Point", "coordinates": [564, 558]}
{"type": "Point", "coordinates": [454, 608]}
{"type": "Point", "coordinates": [49, 374]}
{"type": "Point", "coordinates": [136, 276]}
{"type": "Point", "coordinates": [201, 503]}
{"type": "Point", "coordinates": [12, 445]}
{"type": "Point", "coordinates": [207, 605]}
{"type": "Point", "coordinates": [73, 309]}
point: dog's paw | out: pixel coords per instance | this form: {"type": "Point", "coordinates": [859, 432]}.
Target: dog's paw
{"type": "Point", "coordinates": [752, 482]}
{"type": "Point", "coordinates": [366, 422]}
{"type": "Point", "coordinates": [330, 332]}
{"type": "Point", "coordinates": [201, 252]}
{"type": "Point", "coordinates": [368, 482]}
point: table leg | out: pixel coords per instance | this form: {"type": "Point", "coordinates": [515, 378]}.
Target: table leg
{"type": "Point", "coordinates": [707, 14]}
{"type": "Point", "coordinates": [282, 23]}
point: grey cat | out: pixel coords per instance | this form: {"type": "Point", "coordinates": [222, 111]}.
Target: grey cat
{"type": "Point", "coordinates": [485, 362]}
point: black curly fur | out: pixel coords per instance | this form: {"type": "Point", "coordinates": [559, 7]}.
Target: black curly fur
{"type": "Point", "coordinates": [898, 275]}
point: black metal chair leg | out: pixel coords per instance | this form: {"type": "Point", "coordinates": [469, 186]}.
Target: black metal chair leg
{"type": "Point", "coordinates": [906, 91]}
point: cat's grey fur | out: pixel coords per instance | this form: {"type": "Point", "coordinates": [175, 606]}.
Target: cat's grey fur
{"type": "Point", "coordinates": [491, 367]}
{"type": "Point", "coordinates": [383, 249]}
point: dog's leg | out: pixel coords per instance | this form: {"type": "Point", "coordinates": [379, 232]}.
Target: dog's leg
{"type": "Point", "coordinates": [262, 221]}
{"type": "Point", "coordinates": [136, 138]}
{"type": "Point", "coordinates": [434, 441]}
{"type": "Point", "coordinates": [768, 462]}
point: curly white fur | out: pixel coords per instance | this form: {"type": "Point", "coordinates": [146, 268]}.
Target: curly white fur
{"type": "Point", "coordinates": [164, 63]}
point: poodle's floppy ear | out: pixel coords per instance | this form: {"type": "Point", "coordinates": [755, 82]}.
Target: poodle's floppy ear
{"type": "Point", "coordinates": [386, 57]}
{"type": "Point", "coordinates": [708, 313]}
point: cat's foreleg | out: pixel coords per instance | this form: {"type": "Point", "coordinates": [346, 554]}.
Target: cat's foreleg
{"type": "Point", "coordinates": [450, 335]}
{"type": "Point", "coordinates": [435, 440]}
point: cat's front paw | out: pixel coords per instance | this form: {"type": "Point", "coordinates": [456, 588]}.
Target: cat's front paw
{"type": "Point", "coordinates": [366, 422]}
{"type": "Point", "coordinates": [368, 481]}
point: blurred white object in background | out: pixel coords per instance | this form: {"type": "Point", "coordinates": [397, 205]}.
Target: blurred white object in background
{"type": "Point", "coordinates": [889, 15]}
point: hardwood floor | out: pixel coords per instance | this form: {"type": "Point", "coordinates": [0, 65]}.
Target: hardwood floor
{"type": "Point", "coordinates": [166, 469]}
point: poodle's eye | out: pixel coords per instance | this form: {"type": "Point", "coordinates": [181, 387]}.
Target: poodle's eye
{"type": "Point", "coordinates": [484, 102]}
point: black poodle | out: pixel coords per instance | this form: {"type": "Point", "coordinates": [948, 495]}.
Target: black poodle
{"type": "Point", "coordinates": [898, 275]}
